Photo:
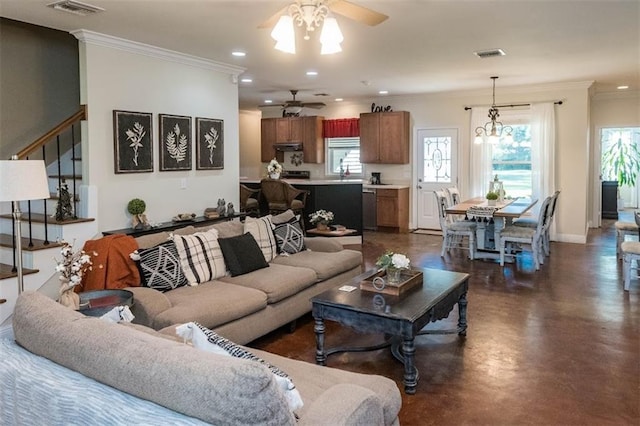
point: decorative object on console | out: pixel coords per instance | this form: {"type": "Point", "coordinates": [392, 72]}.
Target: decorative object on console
{"type": "Point", "coordinates": [222, 207]}
{"type": "Point", "coordinates": [175, 142]}
{"type": "Point", "coordinates": [71, 268]}
{"type": "Point", "coordinates": [274, 169]}
{"type": "Point", "coordinates": [393, 264]}
{"type": "Point", "coordinates": [211, 213]}
{"type": "Point", "coordinates": [230, 210]}
{"type": "Point", "coordinates": [64, 206]}
{"type": "Point", "coordinates": [493, 129]}
{"type": "Point", "coordinates": [136, 209]}
{"type": "Point", "coordinates": [184, 217]}
{"type": "Point", "coordinates": [132, 138]}
{"type": "Point", "coordinates": [210, 144]}
{"type": "Point", "coordinates": [22, 180]}
{"type": "Point", "coordinates": [322, 219]}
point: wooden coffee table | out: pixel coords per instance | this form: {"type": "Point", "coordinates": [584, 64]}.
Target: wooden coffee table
{"type": "Point", "coordinates": [400, 318]}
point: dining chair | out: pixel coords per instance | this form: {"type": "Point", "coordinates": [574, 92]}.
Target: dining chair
{"type": "Point", "coordinates": [630, 254]}
{"type": "Point", "coordinates": [622, 230]}
{"type": "Point", "coordinates": [454, 231]}
{"type": "Point", "coordinates": [454, 195]}
{"type": "Point", "coordinates": [533, 223]}
{"type": "Point", "coordinates": [249, 200]}
{"type": "Point", "coordinates": [522, 235]}
{"type": "Point", "coordinates": [281, 196]}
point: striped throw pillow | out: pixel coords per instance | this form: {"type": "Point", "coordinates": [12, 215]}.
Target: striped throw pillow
{"type": "Point", "coordinates": [200, 256]}
{"type": "Point", "coordinates": [262, 231]}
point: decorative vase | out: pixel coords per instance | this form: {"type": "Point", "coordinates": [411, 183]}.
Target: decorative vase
{"type": "Point", "coordinates": [274, 175]}
{"type": "Point", "coordinates": [393, 275]}
{"type": "Point", "coordinates": [491, 202]}
{"type": "Point", "coordinates": [322, 226]}
{"type": "Point", "coordinates": [69, 298]}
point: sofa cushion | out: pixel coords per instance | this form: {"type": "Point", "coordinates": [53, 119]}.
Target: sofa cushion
{"type": "Point", "coordinates": [160, 267]}
{"type": "Point", "coordinates": [242, 254]}
{"type": "Point", "coordinates": [262, 230]}
{"type": "Point", "coordinates": [325, 265]}
{"type": "Point", "coordinates": [277, 281]}
{"type": "Point", "coordinates": [152, 240]}
{"type": "Point", "coordinates": [211, 304]}
{"type": "Point", "coordinates": [200, 256]}
{"type": "Point", "coordinates": [219, 390]}
{"type": "Point", "coordinates": [227, 229]}
{"type": "Point", "coordinates": [289, 236]}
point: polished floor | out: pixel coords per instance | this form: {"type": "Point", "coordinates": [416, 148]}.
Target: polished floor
{"type": "Point", "coordinates": [560, 346]}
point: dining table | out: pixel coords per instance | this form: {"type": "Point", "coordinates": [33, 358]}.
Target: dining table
{"type": "Point", "coordinates": [491, 219]}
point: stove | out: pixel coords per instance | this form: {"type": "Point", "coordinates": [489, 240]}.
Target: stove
{"type": "Point", "coordinates": [296, 174]}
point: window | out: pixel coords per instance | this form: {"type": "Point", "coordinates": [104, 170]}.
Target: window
{"type": "Point", "coordinates": [345, 152]}
{"type": "Point", "coordinates": [512, 161]}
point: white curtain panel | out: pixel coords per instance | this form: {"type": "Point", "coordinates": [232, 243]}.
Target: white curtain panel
{"type": "Point", "coordinates": [543, 152]}
{"type": "Point", "coordinates": [480, 156]}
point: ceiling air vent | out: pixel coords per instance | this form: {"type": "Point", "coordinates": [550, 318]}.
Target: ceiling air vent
{"type": "Point", "coordinates": [75, 7]}
{"type": "Point", "coordinates": [489, 53]}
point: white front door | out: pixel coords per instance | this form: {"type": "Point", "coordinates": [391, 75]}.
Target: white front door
{"type": "Point", "coordinates": [437, 160]}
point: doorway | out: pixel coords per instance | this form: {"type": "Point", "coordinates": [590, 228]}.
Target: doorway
{"type": "Point", "coordinates": [624, 141]}
{"type": "Point", "coordinates": [437, 168]}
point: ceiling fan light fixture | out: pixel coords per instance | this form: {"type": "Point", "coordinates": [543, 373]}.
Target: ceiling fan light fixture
{"type": "Point", "coordinates": [284, 35]}
{"type": "Point", "coordinates": [331, 36]}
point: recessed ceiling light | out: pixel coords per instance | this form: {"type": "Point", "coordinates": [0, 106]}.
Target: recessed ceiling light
{"type": "Point", "coordinates": [623, 87]}
{"type": "Point", "coordinates": [339, 99]}
{"type": "Point", "coordinates": [383, 92]}
{"type": "Point", "coordinates": [268, 101]}
{"type": "Point", "coordinates": [238, 54]}
{"type": "Point", "coordinates": [312, 73]}
{"type": "Point", "coordinates": [246, 80]}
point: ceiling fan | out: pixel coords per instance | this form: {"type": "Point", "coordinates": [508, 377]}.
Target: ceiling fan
{"type": "Point", "coordinates": [294, 105]}
{"type": "Point", "coordinates": [340, 7]}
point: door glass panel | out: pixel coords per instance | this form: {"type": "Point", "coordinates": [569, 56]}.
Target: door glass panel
{"type": "Point", "coordinates": [437, 159]}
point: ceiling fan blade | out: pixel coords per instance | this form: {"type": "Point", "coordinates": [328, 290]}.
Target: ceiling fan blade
{"type": "Point", "coordinates": [272, 105]}
{"type": "Point", "coordinates": [315, 105]}
{"type": "Point", "coordinates": [357, 13]}
{"type": "Point", "coordinates": [271, 22]}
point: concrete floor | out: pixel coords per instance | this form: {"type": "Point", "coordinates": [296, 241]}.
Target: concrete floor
{"type": "Point", "coordinates": [560, 346]}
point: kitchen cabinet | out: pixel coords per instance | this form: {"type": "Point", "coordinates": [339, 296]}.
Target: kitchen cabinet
{"type": "Point", "coordinates": [384, 137]}
{"type": "Point", "coordinates": [307, 130]}
{"type": "Point", "coordinates": [392, 209]}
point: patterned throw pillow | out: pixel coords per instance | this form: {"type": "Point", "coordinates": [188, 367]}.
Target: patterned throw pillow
{"type": "Point", "coordinates": [160, 267]}
{"type": "Point", "coordinates": [200, 256]}
{"type": "Point", "coordinates": [289, 236]}
{"type": "Point", "coordinates": [261, 229]}
{"type": "Point", "coordinates": [206, 340]}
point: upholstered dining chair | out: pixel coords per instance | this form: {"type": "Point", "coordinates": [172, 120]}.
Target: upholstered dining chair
{"type": "Point", "coordinates": [533, 223]}
{"type": "Point", "coordinates": [249, 200]}
{"type": "Point", "coordinates": [630, 255]}
{"type": "Point", "coordinates": [281, 196]}
{"type": "Point", "coordinates": [623, 229]}
{"type": "Point", "coordinates": [454, 231]}
{"type": "Point", "coordinates": [513, 235]}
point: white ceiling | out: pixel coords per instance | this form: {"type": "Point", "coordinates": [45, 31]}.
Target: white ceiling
{"type": "Point", "coordinates": [425, 46]}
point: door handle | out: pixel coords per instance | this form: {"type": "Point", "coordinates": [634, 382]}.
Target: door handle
{"type": "Point", "coordinates": [419, 186]}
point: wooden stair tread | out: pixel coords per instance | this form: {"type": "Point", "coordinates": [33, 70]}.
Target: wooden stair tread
{"type": "Point", "coordinates": [6, 240]}
{"type": "Point", "coordinates": [65, 176]}
{"type": "Point", "coordinates": [39, 218]}
{"type": "Point", "coordinates": [6, 271]}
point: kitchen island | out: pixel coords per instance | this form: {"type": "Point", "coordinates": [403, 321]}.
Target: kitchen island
{"type": "Point", "coordinates": [342, 197]}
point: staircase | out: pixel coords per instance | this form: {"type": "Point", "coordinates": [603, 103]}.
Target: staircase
{"type": "Point", "coordinates": [41, 232]}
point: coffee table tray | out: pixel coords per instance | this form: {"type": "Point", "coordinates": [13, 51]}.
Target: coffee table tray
{"type": "Point", "coordinates": [409, 280]}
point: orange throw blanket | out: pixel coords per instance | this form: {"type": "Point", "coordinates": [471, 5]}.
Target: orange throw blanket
{"type": "Point", "coordinates": [118, 270]}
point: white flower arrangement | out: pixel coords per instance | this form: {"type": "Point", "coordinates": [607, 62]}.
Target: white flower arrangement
{"type": "Point", "coordinates": [274, 167]}
{"type": "Point", "coordinates": [391, 260]}
{"type": "Point", "coordinates": [321, 216]}
{"type": "Point", "coordinates": [72, 267]}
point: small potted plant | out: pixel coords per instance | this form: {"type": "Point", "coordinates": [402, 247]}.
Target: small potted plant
{"type": "Point", "coordinates": [322, 219]}
{"type": "Point", "coordinates": [136, 209]}
{"type": "Point", "coordinates": [491, 198]}
{"type": "Point", "coordinates": [394, 264]}
{"type": "Point", "coordinates": [274, 169]}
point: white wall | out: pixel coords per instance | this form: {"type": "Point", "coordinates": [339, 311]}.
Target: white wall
{"type": "Point", "coordinates": [121, 75]}
{"type": "Point", "coordinates": [446, 110]}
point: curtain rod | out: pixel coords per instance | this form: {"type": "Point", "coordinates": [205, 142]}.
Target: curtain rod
{"type": "Point", "coordinates": [467, 108]}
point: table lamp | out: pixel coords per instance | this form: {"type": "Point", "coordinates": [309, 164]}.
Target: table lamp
{"type": "Point", "coordinates": [22, 180]}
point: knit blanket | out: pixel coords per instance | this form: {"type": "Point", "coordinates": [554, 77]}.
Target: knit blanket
{"type": "Point", "coordinates": [112, 266]}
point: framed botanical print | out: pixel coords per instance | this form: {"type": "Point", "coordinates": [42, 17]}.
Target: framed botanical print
{"type": "Point", "coordinates": [209, 144]}
{"type": "Point", "coordinates": [175, 142]}
{"type": "Point", "coordinates": [133, 151]}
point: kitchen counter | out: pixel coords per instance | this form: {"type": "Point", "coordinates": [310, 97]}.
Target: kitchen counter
{"type": "Point", "coordinates": [312, 181]}
{"type": "Point", "coordinates": [369, 186]}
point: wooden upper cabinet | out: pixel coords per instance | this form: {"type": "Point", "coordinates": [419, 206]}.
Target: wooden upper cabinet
{"type": "Point", "coordinates": [312, 141]}
{"type": "Point", "coordinates": [384, 137]}
{"type": "Point", "coordinates": [268, 139]}
{"type": "Point", "coordinates": [307, 130]}
{"type": "Point", "coordinates": [289, 129]}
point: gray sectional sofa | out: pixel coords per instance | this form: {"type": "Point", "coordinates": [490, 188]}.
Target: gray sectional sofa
{"type": "Point", "coordinates": [245, 307]}
{"type": "Point", "coordinates": [67, 368]}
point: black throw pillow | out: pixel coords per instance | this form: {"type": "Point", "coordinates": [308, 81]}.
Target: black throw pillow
{"type": "Point", "coordinates": [242, 254]}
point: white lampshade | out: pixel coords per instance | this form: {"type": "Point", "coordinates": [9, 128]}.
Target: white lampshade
{"type": "Point", "coordinates": [284, 35]}
{"type": "Point", "coordinates": [331, 36]}
{"type": "Point", "coordinates": [23, 180]}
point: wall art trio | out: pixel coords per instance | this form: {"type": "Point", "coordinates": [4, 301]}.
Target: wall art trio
{"type": "Point", "coordinates": [133, 150]}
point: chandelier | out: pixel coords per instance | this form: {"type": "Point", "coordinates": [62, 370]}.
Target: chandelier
{"type": "Point", "coordinates": [311, 14]}
{"type": "Point", "coordinates": [493, 129]}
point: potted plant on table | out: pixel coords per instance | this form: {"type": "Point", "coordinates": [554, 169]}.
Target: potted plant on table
{"type": "Point", "coordinates": [393, 264]}
{"type": "Point", "coordinates": [136, 209]}
{"type": "Point", "coordinates": [491, 198]}
{"type": "Point", "coordinates": [321, 219]}
{"type": "Point", "coordinates": [274, 169]}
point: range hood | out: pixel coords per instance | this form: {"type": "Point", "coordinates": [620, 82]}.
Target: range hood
{"type": "Point", "coordinates": [290, 146]}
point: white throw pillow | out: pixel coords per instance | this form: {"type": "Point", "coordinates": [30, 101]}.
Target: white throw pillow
{"type": "Point", "coordinates": [262, 231]}
{"type": "Point", "coordinates": [200, 256]}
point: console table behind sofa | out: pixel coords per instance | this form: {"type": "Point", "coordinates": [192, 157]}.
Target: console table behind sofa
{"type": "Point", "coordinates": [171, 226]}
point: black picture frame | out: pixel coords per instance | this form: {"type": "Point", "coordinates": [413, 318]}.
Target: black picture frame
{"type": "Point", "coordinates": [133, 142]}
{"type": "Point", "coordinates": [209, 144]}
{"type": "Point", "coordinates": [175, 142]}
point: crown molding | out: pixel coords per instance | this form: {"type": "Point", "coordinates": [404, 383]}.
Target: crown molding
{"type": "Point", "coordinates": [618, 94]}
{"type": "Point", "coordinates": [98, 39]}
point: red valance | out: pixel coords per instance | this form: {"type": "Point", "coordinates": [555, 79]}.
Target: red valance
{"type": "Point", "coordinates": [341, 128]}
